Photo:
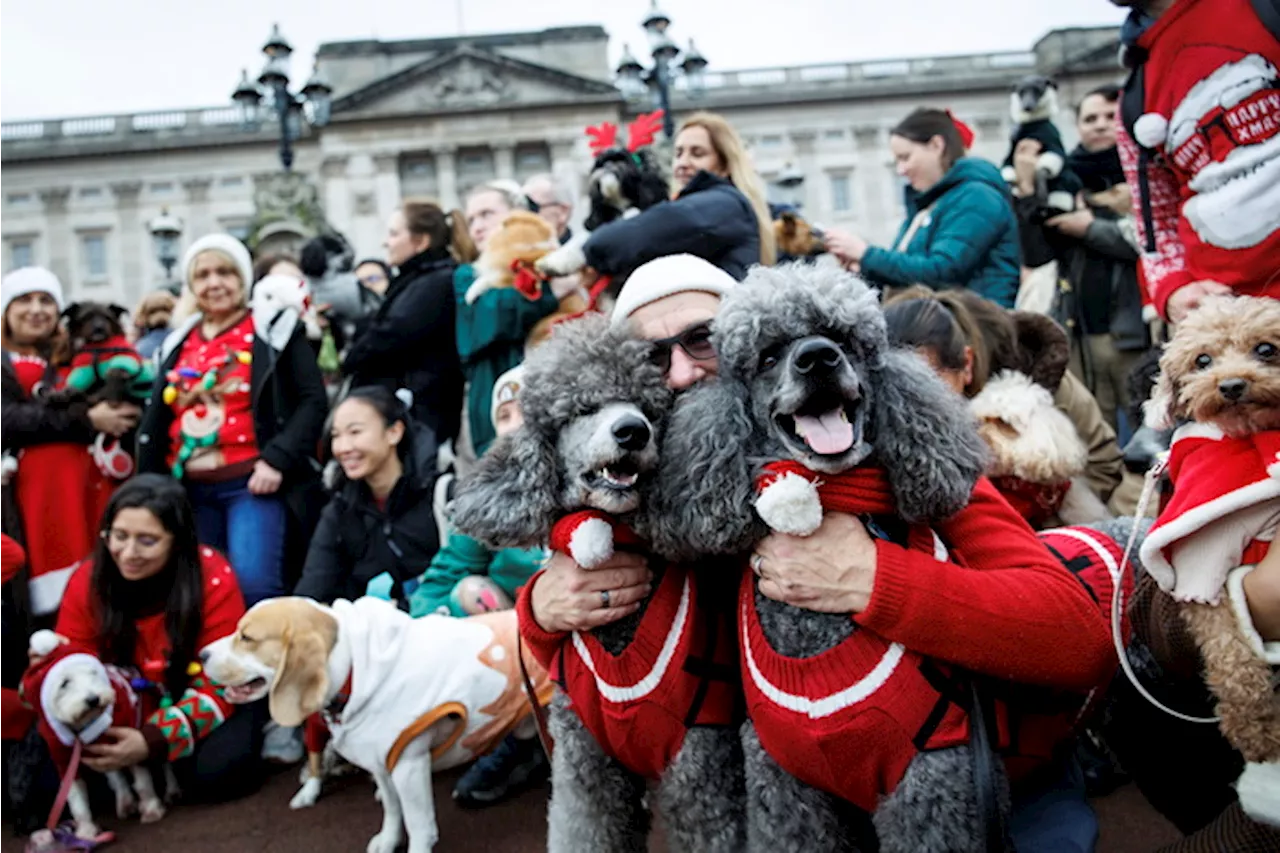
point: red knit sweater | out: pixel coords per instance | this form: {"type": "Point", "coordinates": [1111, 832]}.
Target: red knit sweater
{"type": "Point", "coordinates": [201, 708]}
{"type": "Point", "coordinates": [639, 704]}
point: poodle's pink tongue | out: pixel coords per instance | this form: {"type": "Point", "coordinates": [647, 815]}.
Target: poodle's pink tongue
{"type": "Point", "coordinates": [827, 434]}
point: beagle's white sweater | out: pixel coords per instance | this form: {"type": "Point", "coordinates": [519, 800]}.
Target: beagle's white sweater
{"type": "Point", "coordinates": [402, 668]}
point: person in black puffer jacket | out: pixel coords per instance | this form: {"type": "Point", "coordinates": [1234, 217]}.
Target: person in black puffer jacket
{"type": "Point", "coordinates": [410, 343]}
{"type": "Point", "coordinates": [380, 519]}
{"type": "Point", "coordinates": [719, 213]}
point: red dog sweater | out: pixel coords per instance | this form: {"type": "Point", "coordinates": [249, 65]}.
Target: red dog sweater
{"type": "Point", "coordinates": [851, 719]}
{"type": "Point", "coordinates": [677, 672]}
{"type": "Point", "coordinates": [1226, 492]}
{"type": "Point", "coordinates": [125, 711]}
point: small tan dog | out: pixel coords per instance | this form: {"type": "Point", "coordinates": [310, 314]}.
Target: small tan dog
{"type": "Point", "coordinates": [795, 236]}
{"type": "Point", "coordinates": [1220, 379]}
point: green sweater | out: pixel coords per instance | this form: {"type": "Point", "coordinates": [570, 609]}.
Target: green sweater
{"type": "Point", "coordinates": [491, 338]}
{"type": "Point", "coordinates": [461, 556]}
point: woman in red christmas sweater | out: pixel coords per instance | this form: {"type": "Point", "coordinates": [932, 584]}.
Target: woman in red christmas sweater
{"type": "Point", "coordinates": [1013, 613]}
{"type": "Point", "coordinates": [148, 600]}
{"type": "Point", "coordinates": [236, 416]}
{"type": "Point", "coordinates": [58, 490]}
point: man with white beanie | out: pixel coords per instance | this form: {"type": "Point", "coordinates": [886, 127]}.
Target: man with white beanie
{"type": "Point", "coordinates": [671, 302]}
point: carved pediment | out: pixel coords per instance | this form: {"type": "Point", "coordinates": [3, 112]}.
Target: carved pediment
{"type": "Point", "coordinates": [469, 78]}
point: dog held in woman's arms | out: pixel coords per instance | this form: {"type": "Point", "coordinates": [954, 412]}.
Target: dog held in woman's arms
{"type": "Point", "coordinates": [641, 702]}
{"type": "Point", "coordinates": [813, 412]}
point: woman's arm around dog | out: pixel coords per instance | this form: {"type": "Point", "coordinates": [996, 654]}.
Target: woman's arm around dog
{"type": "Point", "coordinates": [1014, 613]}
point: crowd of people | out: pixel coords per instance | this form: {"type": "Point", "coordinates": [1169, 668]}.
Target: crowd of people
{"type": "Point", "coordinates": [261, 466]}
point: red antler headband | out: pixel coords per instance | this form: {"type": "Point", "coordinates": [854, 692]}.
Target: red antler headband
{"type": "Point", "coordinates": [642, 131]}
{"type": "Point", "coordinates": [603, 137]}
{"type": "Point", "coordinates": [966, 132]}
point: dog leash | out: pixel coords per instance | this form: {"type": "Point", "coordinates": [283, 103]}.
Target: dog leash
{"type": "Point", "coordinates": [56, 837]}
{"type": "Point", "coordinates": [539, 712]}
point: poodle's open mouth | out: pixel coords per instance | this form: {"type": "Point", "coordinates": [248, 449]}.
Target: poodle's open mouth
{"type": "Point", "coordinates": [250, 691]}
{"type": "Point", "coordinates": [620, 475]}
{"type": "Point", "coordinates": [826, 424]}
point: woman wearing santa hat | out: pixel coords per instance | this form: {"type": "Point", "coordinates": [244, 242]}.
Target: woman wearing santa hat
{"type": "Point", "coordinates": [58, 489]}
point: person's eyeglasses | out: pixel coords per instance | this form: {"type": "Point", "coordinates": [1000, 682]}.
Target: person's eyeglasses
{"type": "Point", "coordinates": [695, 341]}
{"type": "Point", "coordinates": [372, 279]}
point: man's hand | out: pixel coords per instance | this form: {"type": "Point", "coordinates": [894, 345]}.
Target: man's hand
{"type": "Point", "coordinates": [567, 597]}
{"type": "Point", "coordinates": [116, 749]}
{"type": "Point", "coordinates": [831, 571]}
{"type": "Point", "coordinates": [264, 480]}
{"type": "Point", "coordinates": [1187, 298]}
{"type": "Point", "coordinates": [114, 419]}
{"type": "Point", "coordinates": [1073, 224]}
{"type": "Point", "coordinates": [1025, 155]}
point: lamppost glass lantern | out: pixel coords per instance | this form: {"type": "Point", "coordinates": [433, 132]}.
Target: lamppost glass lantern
{"type": "Point", "coordinates": [790, 184]}
{"type": "Point", "coordinates": [165, 230]}
{"type": "Point", "coordinates": [319, 96]}
{"type": "Point", "coordinates": [631, 76]}
{"type": "Point", "coordinates": [695, 69]}
{"type": "Point", "coordinates": [655, 23]}
{"type": "Point", "coordinates": [247, 96]}
{"type": "Point", "coordinates": [634, 80]}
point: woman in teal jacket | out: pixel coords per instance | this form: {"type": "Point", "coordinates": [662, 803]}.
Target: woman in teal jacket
{"type": "Point", "coordinates": [960, 231]}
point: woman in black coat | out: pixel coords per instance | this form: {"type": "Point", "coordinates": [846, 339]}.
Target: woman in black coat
{"type": "Point", "coordinates": [719, 213]}
{"type": "Point", "coordinates": [380, 519]}
{"type": "Point", "coordinates": [237, 415]}
{"type": "Point", "coordinates": [411, 342]}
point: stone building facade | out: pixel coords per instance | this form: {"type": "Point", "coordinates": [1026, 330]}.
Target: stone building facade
{"type": "Point", "coordinates": [435, 117]}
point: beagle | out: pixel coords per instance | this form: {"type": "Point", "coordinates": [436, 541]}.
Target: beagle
{"type": "Point", "coordinates": [400, 695]}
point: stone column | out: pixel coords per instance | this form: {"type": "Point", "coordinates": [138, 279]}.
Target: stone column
{"type": "Point", "coordinates": [336, 191]}
{"type": "Point", "coordinates": [138, 275]}
{"type": "Point", "coordinates": [386, 183]}
{"type": "Point", "coordinates": [807, 162]}
{"type": "Point", "coordinates": [504, 162]}
{"type": "Point", "coordinates": [870, 192]}
{"type": "Point", "coordinates": [447, 178]}
{"type": "Point", "coordinates": [62, 247]}
{"type": "Point", "coordinates": [200, 218]}
{"type": "Point", "coordinates": [568, 172]}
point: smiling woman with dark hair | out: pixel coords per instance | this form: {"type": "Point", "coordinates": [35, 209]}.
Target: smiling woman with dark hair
{"type": "Point", "coordinates": [148, 600]}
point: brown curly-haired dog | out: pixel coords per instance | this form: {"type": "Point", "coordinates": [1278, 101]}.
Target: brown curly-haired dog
{"type": "Point", "coordinates": [1221, 371]}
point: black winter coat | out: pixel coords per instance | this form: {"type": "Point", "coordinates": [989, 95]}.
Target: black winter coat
{"type": "Point", "coordinates": [711, 219]}
{"type": "Point", "coordinates": [289, 408]}
{"type": "Point", "coordinates": [25, 422]}
{"type": "Point", "coordinates": [356, 541]}
{"type": "Point", "coordinates": [411, 343]}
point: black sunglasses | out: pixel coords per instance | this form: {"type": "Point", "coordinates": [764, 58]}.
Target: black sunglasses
{"type": "Point", "coordinates": [695, 341]}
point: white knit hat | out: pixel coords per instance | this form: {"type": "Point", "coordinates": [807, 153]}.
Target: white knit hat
{"type": "Point", "coordinates": [227, 245]}
{"type": "Point", "coordinates": [666, 276]}
{"type": "Point", "coordinates": [29, 280]}
{"type": "Point", "coordinates": [506, 389]}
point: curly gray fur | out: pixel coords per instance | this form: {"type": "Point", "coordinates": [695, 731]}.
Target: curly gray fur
{"type": "Point", "coordinates": [702, 795]}
{"type": "Point", "coordinates": [933, 809]}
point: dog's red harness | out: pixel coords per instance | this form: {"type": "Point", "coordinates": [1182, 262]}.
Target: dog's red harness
{"type": "Point", "coordinates": [677, 672]}
{"type": "Point", "coordinates": [851, 719]}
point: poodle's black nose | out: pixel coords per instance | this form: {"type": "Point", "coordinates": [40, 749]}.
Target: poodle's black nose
{"type": "Point", "coordinates": [92, 701]}
{"type": "Point", "coordinates": [631, 433]}
{"type": "Point", "coordinates": [1233, 389]}
{"type": "Point", "coordinates": [816, 355]}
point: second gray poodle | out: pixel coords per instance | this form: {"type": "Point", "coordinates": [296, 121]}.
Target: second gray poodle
{"type": "Point", "coordinates": [640, 700]}
{"type": "Point", "coordinates": [807, 379]}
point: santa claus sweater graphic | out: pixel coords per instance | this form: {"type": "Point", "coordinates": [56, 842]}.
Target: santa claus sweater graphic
{"type": "Point", "coordinates": [1211, 115]}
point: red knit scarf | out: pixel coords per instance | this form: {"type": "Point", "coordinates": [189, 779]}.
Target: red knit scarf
{"type": "Point", "coordinates": [1036, 502]}
{"type": "Point", "coordinates": [862, 491]}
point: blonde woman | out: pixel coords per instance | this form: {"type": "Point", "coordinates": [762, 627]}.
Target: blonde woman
{"type": "Point", "coordinates": [719, 212]}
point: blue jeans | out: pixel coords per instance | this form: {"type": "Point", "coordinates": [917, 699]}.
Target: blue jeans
{"type": "Point", "coordinates": [1054, 816]}
{"type": "Point", "coordinates": [248, 528]}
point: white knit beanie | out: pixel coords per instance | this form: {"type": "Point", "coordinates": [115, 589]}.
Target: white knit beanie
{"type": "Point", "coordinates": [29, 280]}
{"type": "Point", "coordinates": [666, 276]}
{"type": "Point", "coordinates": [506, 389]}
{"type": "Point", "coordinates": [227, 245]}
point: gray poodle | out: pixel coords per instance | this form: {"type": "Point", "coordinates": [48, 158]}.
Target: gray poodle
{"type": "Point", "coordinates": [807, 376]}
{"type": "Point", "coordinates": [594, 403]}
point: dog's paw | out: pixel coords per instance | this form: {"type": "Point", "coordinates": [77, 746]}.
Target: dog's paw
{"type": "Point", "coordinates": [151, 810]}
{"type": "Point", "coordinates": [564, 261]}
{"type": "Point", "coordinates": [385, 842]}
{"type": "Point", "coordinates": [790, 504]}
{"type": "Point", "coordinates": [477, 289]}
{"type": "Point", "coordinates": [307, 795]}
{"type": "Point", "coordinates": [591, 543]}
{"type": "Point", "coordinates": [87, 830]}
{"type": "Point", "coordinates": [1259, 791]}
{"type": "Point", "coordinates": [172, 790]}
{"type": "Point", "coordinates": [126, 804]}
